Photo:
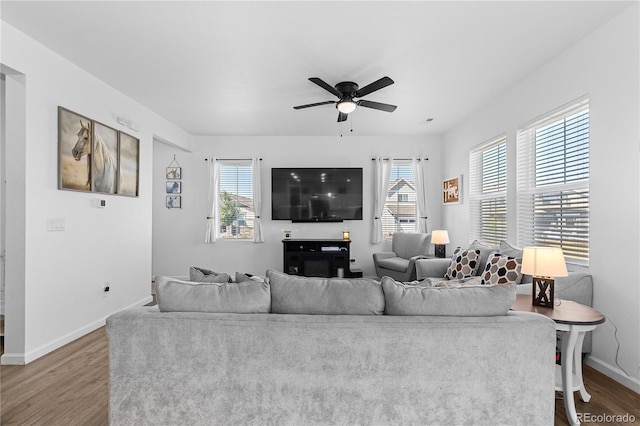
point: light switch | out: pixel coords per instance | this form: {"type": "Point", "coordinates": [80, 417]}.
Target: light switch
{"type": "Point", "coordinates": [55, 224]}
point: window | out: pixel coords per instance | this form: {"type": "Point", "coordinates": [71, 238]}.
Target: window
{"type": "Point", "coordinates": [488, 191]}
{"type": "Point", "coordinates": [235, 208]}
{"type": "Point", "coordinates": [553, 182]}
{"type": "Point", "coordinates": [399, 214]}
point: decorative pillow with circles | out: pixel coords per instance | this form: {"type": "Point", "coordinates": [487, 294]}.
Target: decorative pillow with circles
{"type": "Point", "coordinates": [501, 269]}
{"type": "Point", "coordinates": [464, 264]}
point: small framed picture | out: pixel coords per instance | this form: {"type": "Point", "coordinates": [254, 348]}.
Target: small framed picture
{"type": "Point", "coordinates": [174, 187]}
{"type": "Point", "coordinates": [174, 173]}
{"type": "Point", "coordinates": [452, 190]}
{"type": "Point", "coordinates": [174, 202]}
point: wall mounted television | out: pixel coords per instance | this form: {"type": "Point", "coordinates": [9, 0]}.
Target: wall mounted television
{"type": "Point", "coordinates": [316, 194]}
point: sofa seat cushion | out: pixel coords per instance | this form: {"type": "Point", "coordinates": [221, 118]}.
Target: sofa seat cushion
{"type": "Point", "coordinates": [394, 264]}
{"type": "Point", "coordinates": [475, 301]}
{"type": "Point", "coordinates": [249, 297]}
{"type": "Point", "coordinates": [292, 294]}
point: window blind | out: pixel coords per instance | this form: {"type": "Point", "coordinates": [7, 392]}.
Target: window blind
{"type": "Point", "coordinates": [399, 214]}
{"type": "Point", "coordinates": [553, 182]}
{"type": "Point", "coordinates": [236, 199]}
{"type": "Point", "coordinates": [488, 191]}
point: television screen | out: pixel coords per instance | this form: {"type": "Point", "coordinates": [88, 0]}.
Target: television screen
{"type": "Point", "coordinates": [316, 194]}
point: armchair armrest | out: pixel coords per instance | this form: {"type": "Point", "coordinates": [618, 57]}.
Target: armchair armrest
{"type": "Point", "coordinates": [434, 267]}
{"type": "Point", "coordinates": [383, 255]}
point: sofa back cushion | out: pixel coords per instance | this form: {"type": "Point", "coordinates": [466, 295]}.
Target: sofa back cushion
{"type": "Point", "coordinates": [292, 294]}
{"type": "Point", "coordinates": [466, 301]}
{"type": "Point", "coordinates": [249, 297]}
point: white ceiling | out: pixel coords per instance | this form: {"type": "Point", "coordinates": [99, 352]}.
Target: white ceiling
{"type": "Point", "coordinates": [238, 68]}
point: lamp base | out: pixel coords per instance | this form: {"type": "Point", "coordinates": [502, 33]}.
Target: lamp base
{"type": "Point", "coordinates": [543, 289]}
{"type": "Point", "coordinates": [440, 250]}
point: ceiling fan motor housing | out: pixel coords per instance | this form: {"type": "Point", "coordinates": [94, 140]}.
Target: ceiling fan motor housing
{"type": "Point", "coordinates": [347, 88]}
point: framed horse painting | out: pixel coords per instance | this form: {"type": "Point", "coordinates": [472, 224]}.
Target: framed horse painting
{"type": "Point", "coordinates": [129, 165]}
{"type": "Point", "coordinates": [74, 146]}
{"type": "Point", "coordinates": [104, 159]}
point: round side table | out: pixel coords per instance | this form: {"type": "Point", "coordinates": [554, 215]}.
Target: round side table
{"type": "Point", "coordinates": [574, 319]}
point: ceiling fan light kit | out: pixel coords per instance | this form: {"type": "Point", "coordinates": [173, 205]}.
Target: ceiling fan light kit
{"type": "Point", "coordinates": [346, 106]}
{"type": "Point", "coordinates": [346, 91]}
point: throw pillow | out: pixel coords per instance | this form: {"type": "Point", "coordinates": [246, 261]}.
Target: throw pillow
{"type": "Point", "coordinates": [513, 251]}
{"type": "Point", "coordinates": [510, 250]}
{"type": "Point", "coordinates": [470, 301]}
{"type": "Point", "coordinates": [485, 251]}
{"type": "Point", "coordinates": [464, 264]}
{"type": "Point", "coordinates": [292, 294]}
{"type": "Point", "coordinates": [187, 296]}
{"type": "Point", "coordinates": [502, 269]}
{"type": "Point", "coordinates": [242, 277]}
{"type": "Point", "coordinates": [207, 276]}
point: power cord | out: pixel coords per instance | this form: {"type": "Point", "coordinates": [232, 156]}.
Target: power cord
{"type": "Point", "coordinates": [615, 336]}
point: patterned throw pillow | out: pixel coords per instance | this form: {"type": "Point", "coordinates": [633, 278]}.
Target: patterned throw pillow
{"type": "Point", "coordinates": [464, 264]}
{"type": "Point", "coordinates": [501, 269]}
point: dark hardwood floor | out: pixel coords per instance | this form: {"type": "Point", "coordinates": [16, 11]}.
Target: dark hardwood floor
{"type": "Point", "coordinates": [70, 387]}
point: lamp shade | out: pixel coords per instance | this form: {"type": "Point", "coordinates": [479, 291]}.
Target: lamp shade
{"type": "Point", "coordinates": [440, 237]}
{"type": "Point", "coordinates": [544, 262]}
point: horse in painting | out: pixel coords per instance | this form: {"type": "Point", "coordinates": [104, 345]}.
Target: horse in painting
{"type": "Point", "coordinates": [100, 163]}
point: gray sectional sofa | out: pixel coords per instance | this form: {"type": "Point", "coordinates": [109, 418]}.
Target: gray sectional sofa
{"type": "Point", "coordinates": [577, 286]}
{"type": "Point", "coordinates": [313, 351]}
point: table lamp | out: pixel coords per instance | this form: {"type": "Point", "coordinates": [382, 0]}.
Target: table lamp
{"type": "Point", "coordinates": [544, 264]}
{"type": "Point", "coordinates": [346, 235]}
{"type": "Point", "coordinates": [439, 238]}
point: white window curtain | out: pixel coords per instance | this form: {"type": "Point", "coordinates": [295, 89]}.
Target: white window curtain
{"type": "Point", "coordinates": [214, 197]}
{"type": "Point", "coordinates": [257, 201]}
{"type": "Point", "coordinates": [381, 175]}
{"type": "Point", "coordinates": [422, 211]}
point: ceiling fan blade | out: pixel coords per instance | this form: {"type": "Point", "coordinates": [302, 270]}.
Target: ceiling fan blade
{"type": "Point", "coordinates": [342, 116]}
{"type": "Point", "coordinates": [325, 86]}
{"type": "Point", "coordinates": [312, 105]}
{"type": "Point", "coordinates": [376, 85]}
{"type": "Point", "coordinates": [377, 105]}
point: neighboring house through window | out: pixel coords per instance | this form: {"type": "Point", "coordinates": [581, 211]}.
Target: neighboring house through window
{"type": "Point", "coordinates": [553, 182]}
{"type": "Point", "coordinates": [488, 191]}
{"type": "Point", "coordinates": [399, 214]}
{"type": "Point", "coordinates": [235, 207]}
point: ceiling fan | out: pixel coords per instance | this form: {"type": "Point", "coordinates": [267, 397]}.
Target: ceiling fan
{"type": "Point", "coordinates": [346, 91]}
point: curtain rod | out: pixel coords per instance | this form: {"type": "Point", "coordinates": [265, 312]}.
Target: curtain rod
{"type": "Point", "coordinates": [232, 159]}
{"type": "Point", "coordinates": [401, 159]}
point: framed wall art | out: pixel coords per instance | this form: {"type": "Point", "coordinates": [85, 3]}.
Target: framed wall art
{"type": "Point", "coordinates": [129, 155]}
{"type": "Point", "coordinates": [104, 159]}
{"type": "Point", "coordinates": [174, 187]}
{"type": "Point", "coordinates": [74, 146]}
{"type": "Point", "coordinates": [174, 172]}
{"type": "Point", "coordinates": [174, 202]}
{"type": "Point", "coordinates": [452, 190]}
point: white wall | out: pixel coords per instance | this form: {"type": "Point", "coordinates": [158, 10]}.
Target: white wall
{"type": "Point", "coordinates": [58, 295]}
{"type": "Point", "coordinates": [178, 234]}
{"type": "Point", "coordinates": [604, 65]}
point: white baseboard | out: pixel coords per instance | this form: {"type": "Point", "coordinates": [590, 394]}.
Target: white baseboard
{"type": "Point", "coordinates": [21, 358]}
{"type": "Point", "coordinates": [615, 373]}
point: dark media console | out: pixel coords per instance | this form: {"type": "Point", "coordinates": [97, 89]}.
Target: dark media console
{"type": "Point", "coordinates": [317, 258]}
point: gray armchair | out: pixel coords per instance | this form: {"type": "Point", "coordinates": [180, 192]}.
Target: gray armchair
{"type": "Point", "coordinates": [399, 263]}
